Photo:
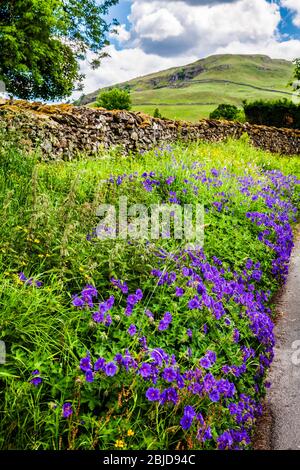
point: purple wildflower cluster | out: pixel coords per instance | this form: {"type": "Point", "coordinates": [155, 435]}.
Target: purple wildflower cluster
{"type": "Point", "coordinates": [209, 303]}
{"type": "Point", "coordinates": [30, 281]}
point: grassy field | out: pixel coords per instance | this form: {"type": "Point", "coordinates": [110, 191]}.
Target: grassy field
{"type": "Point", "coordinates": [202, 85]}
{"type": "Point", "coordinates": [136, 343]}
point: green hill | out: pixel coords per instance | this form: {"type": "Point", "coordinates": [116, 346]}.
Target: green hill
{"type": "Point", "coordinates": [193, 91]}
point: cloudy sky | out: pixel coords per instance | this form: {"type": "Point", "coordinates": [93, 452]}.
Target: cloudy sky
{"type": "Point", "coordinates": [157, 34]}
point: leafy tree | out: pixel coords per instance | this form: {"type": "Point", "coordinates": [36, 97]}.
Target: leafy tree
{"type": "Point", "coordinates": [297, 69]}
{"type": "Point", "coordinates": [115, 98]}
{"type": "Point", "coordinates": [41, 42]}
{"type": "Point", "coordinates": [225, 111]}
{"type": "Point", "coordinates": [157, 114]}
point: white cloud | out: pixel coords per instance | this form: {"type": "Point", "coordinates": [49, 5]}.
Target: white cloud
{"type": "Point", "coordinates": [158, 25]}
{"type": "Point", "coordinates": [203, 27]}
{"type": "Point", "coordinates": [293, 5]}
{"type": "Point", "coordinates": [288, 50]}
{"type": "Point", "coordinates": [121, 35]}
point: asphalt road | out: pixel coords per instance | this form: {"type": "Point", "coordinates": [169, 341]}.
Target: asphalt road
{"type": "Point", "coordinates": [283, 398]}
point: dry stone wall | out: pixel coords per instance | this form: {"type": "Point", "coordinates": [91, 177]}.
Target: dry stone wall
{"type": "Point", "coordinates": [61, 131]}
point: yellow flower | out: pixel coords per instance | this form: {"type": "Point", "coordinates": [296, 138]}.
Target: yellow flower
{"type": "Point", "coordinates": [119, 444]}
{"type": "Point", "coordinates": [130, 433]}
{"type": "Point", "coordinates": [81, 269]}
{"type": "Point", "coordinates": [37, 240]}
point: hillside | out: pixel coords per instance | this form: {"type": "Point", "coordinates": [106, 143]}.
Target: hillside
{"type": "Point", "coordinates": [193, 91]}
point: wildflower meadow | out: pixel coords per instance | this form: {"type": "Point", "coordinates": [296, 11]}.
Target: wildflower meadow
{"type": "Point", "coordinates": [134, 342]}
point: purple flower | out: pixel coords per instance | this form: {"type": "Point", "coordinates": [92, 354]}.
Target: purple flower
{"type": "Point", "coordinates": [211, 356]}
{"type": "Point", "coordinates": [132, 300]}
{"type": "Point", "coordinates": [36, 381]}
{"type": "Point", "coordinates": [85, 363]}
{"type": "Point", "coordinates": [110, 369]}
{"type": "Point", "coordinates": [214, 395]}
{"type": "Point", "coordinates": [207, 434]}
{"type": "Point", "coordinates": [108, 320]}
{"type": "Point", "coordinates": [189, 333]}
{"type": "Point", "coordinates": [145, 370]}
{"type": "Point", "coordinates": [153, 394]}
{"type": "Point", "coordinates": [128, 310]}
{"type": "Point", "coordinates": [132, 330]}
{"type": "Point", "coordinates": [194, 303]}
{"type": "Point", "coordinates": [149, 314]}
{"type": "Point", "coordinates": [179, 292]}
{"type": "Point", "coordinates": [98, 317]}
{"type": "Point", "coordinates": [169, 374]}
{"type": "Point", "coordinates": [205, 362]}
{"type": "Point", "coordinates": [99, 364]}
{"type": "Point", "coordinates": [77, 301]}
{"type": "Point", "coordinates": [170, 180]}
{"type": "Point", "coordinates": [236, 335]}
{"type": "Point", "coordinates": [167, 317]}
{"type": "Point", "coordinates": [89, 376]}
{"type": "Point", "coordinates": [169, 394]}
{"type": "Point", "coordinates": [186, 422]}
{"type": "Point", "coordinates": [67, 410]}
{"type": "Point", "coordinates": [189, 411]}
{"type": "Point", "coordinates": [139, 294]}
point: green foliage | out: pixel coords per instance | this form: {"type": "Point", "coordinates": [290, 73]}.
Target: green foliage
{"type": "Point", "coordinates": [297, 69]}
{"type": "Point", "coordinates": [157, 114]}
{"type": "Point", "coordinates": [281, 113]}
{"type": "Point", "coordinates": [114, 98]}
{"type": "Point", "coordinates": [46, 212]}
{"type": "Point", "coordinates": [41, 42]}
{"type": "Point", "coordinates": [225, 111]}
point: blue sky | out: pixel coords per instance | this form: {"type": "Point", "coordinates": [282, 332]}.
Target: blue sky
{"type": "Point", "coordinates": [158, 34]}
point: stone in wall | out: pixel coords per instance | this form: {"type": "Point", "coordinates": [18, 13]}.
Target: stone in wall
{"type": "Point", "coordinates": [62, 131]}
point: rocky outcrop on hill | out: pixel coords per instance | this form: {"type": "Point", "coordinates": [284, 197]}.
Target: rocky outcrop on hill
{"type": "Point", "coordinates": [62, 131]}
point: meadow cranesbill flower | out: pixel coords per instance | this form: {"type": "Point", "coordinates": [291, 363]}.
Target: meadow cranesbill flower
{"type": "Point", "coordinates": [110, 369]}
{"type": "Point", "coordinates": [99, 364]}
{"type": "Point", "coordinates": [67, 410]}
{"type": "Point", "coordinates": [37, 380]}
{"type": "Point", "coordinates": [98, 317]}
{"type": "Point", "coordinates": [186, 422]}
{"type": "Point", "coordinates": [236, 335]}
{"type": "Point", "coordinates": [132, 330]}
{"type": "Point", "coordinates": [85, 363]}
{"type": "Point", "coordinates": [169, 395]}
{"type": "Point", "coordinates": [89, 376]}
{"type": "Point", "coordinates": [153, 394]}
{"type": "Point", "coordinates": [194, 303]}
{"type": "Point", "coordinates": [214, 395]}
{"type": "Point", "coordinates": [145, 370]}
{"type": "Point", "coordinates": [179, 292]}
{"type": "Point", "coordinates": [169, 374]}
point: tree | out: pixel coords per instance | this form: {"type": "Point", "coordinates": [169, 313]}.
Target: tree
{"type": "Point", "coordinates": [225, 111]}
{"type": "Point", "coordinates": [114, 99]}
{"type": "Point", "coordinates": [42, 41]}
{"type": "Point", "coordinates": [157, 114]}
{"type": "Point", "coordinates": [297, 70]}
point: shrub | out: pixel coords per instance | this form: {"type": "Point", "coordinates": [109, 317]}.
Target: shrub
{"type": "Point", "coordinates": [280, 113]}
{"type": "Point", "coordinates": [225, 111]}
{"type": "Point", "coordinates": [114, 99]}
{"type": "Point", "coordinates": [157, 114]}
